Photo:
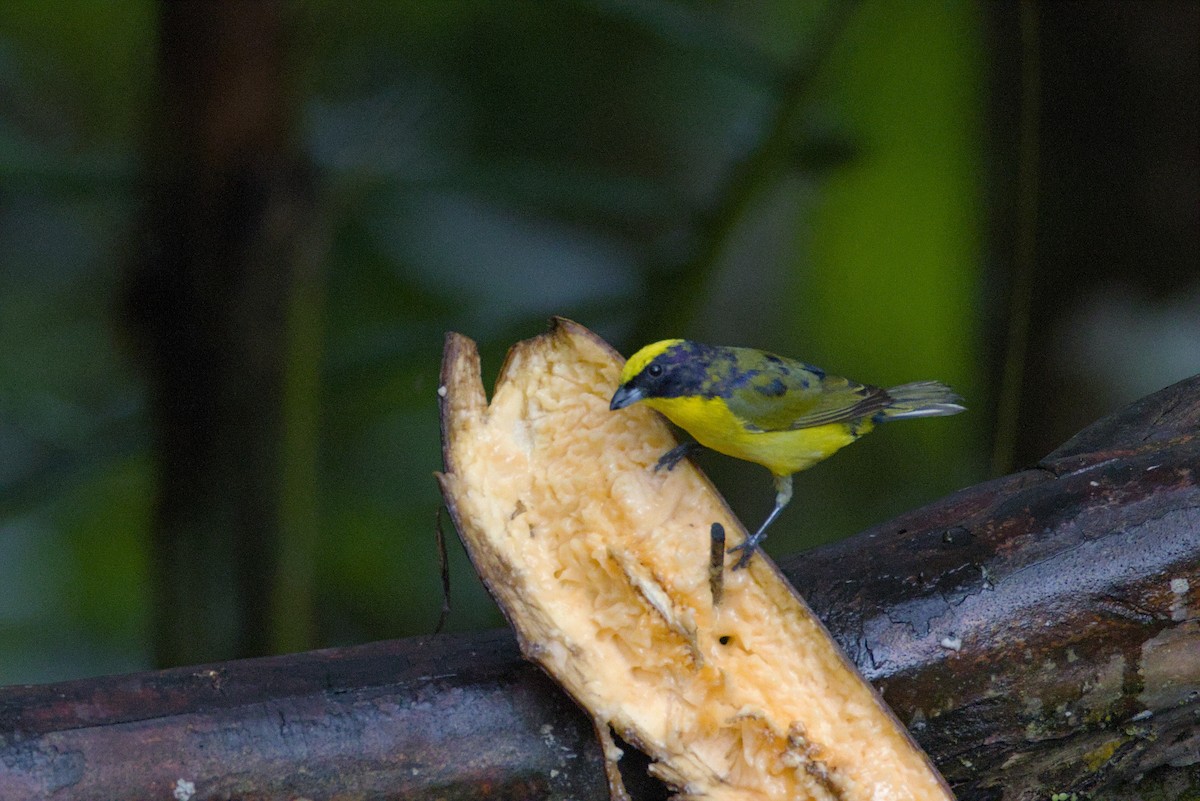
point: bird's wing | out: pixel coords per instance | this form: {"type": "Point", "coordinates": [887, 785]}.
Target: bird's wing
{"type": "Point", "coordinates": [842, 400]}
{"type": "Point", "coordinates": [783, 394]}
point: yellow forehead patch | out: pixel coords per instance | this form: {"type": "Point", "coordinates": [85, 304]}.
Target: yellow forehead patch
{"type": "Point", "coordinates": [638, 361]}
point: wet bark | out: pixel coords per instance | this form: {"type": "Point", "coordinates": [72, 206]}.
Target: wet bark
{"type": "Point", "coordinates": [1040, 635]}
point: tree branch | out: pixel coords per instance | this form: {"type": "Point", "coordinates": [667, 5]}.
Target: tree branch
{"type": "Point", "coordinates": [1038, 633]}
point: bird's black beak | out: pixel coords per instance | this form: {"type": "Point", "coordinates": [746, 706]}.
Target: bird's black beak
{"type": "Point", "coordinates": [625, 396]}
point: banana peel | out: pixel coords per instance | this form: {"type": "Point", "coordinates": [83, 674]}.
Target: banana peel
{"type": "Point", "coordinates": [732, 687]}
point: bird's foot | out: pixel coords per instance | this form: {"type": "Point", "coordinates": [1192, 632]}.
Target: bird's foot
{"type": "Point", "coordinates": [674, 456]}
{"type": "Point", "coordinates": [747, 548]}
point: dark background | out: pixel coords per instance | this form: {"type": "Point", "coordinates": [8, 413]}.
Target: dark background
{"type": "Point", "coordinates": [232, 236]}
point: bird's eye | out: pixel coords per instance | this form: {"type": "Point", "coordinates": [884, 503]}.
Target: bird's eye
{"type": "Point", "coordinates": [654, 370]}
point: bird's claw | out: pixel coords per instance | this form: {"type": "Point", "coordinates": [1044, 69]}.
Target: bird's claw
{"type": "Point", "coordinates": [747, 548]}
{"type": "Point", "coordinates": [673, 457]}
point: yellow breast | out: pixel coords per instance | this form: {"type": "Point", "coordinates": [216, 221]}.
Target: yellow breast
{"type": "Point", "coordinates": [714, 426]}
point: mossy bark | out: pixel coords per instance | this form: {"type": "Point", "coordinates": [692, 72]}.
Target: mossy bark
{"type": "Point", "coordinates": [1038, 633]}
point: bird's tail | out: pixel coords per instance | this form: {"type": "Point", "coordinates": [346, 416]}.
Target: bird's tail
{"type": "Point", "coordinates": [921, 399]}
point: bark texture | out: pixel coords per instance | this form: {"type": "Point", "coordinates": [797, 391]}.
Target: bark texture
{"type": "Point", "coordinates": [1039, 633]}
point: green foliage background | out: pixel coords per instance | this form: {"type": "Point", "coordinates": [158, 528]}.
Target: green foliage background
{"type": "Point", "coordinates": [483, 165]}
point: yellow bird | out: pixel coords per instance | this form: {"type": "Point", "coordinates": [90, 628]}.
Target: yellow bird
{"type": "Point", "coordinates": [754, 405]}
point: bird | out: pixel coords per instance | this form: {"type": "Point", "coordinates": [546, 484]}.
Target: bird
{"type": "Point", "coordinates": [760, 407]}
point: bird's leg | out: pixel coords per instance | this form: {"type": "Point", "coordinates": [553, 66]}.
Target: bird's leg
{"type": "Point", "coordinates": [783, 494]}
{"type": "Point", "coordinates": [676, 455]}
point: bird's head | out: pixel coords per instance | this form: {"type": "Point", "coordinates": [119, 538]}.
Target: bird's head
{"type": "Point", "coordinates": [666, 369]}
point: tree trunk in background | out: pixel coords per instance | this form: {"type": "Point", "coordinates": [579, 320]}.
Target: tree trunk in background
{"type": "Point", "coordinates": [221, 252]}
{"type": "Point", "coordinates": [1117, 217]}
